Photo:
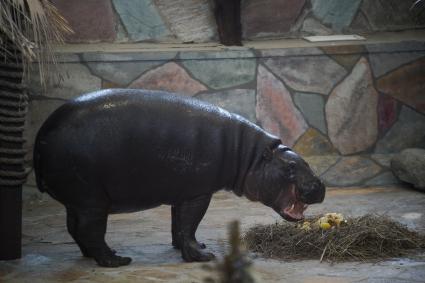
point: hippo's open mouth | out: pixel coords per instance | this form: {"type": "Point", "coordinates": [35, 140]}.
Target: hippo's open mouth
{"type": "Point", "coordinates": [291, 207]}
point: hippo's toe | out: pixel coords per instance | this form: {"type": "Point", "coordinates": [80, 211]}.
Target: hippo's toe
{"type": "Point", "coordinates": [113, 261]}
{"type": "Point", "coordinates": [192, 252]}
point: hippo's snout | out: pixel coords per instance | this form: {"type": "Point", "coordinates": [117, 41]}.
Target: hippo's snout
{"type": "Point", "coordinates": [295, 200]}
{"type": "Point", "coordinates": [313, 192]}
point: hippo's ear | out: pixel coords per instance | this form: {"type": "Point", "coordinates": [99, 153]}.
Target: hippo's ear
{"type": "Point", "coordinates": [270, 150]}
{"type": "Point", "coordinates": [290, 170]}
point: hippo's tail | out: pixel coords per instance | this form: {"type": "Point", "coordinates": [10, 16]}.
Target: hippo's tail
{"type": "Point", "coordinates": [37, 165]}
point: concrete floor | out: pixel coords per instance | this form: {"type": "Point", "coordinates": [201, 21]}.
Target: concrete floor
{"type": "Point", "coordinates": [49, 255]}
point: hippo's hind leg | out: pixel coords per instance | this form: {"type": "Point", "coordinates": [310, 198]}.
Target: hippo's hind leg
{"type": "Point", "coordinates": [88, 228]}
{"type": "Point", "coordinates": [175, 224]}
{"type": "Point", "coordinates": [189, 214]}
{"type": "Point", "coordinates": [72, 224]}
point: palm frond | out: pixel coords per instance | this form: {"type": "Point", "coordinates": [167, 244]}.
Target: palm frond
{"type": "Point", "coordinates": [416, 4]}
{"type": "Point", "coordinates": [418, 11]}
{"type": "Point", "coordinates": [31, 28]}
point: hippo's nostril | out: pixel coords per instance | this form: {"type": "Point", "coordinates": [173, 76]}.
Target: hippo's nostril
{"type": "Point", "coordinates": [314, 193]}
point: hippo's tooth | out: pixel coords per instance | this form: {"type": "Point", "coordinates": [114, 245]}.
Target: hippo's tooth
{"type": "Point", "coordinates": [292, 207]}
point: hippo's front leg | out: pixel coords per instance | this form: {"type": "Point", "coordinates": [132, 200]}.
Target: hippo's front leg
{"type": "Point", "coordinates": [176, 242]}
{"type": "Point", "coordinates": [188, 215]}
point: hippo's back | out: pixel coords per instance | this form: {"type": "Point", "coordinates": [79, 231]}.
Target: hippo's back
{"type": "Point", "coordinates": [134, 149]}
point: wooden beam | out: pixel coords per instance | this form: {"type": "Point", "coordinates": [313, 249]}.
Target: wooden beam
{"type": "Point", "coordinates": [228, 18]}
{"type": "Point", "coordinates": [10, 222]}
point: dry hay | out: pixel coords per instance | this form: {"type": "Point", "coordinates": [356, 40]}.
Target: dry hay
{"type": "Point", "coordinates": [366, 238]}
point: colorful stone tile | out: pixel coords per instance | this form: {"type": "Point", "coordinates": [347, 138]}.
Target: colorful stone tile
{"type": "Point", "coordinates": [313, 108]}
{"type": "Point", "coordinates": [321, 163]}
{"type": "Point", "coordinates": [389, 14]}
{"type": "Point", "coordinates": [108, 84]}
{"type": "Point", "coordinates": [269, 18]}
{"type": "Point", "coordinates": [312, 142]}
{"type": "Point", "coordinates": [69, 81]}
{"type": "Point", "coordinates": [141, 20]}
{"type": "Point", "coordinates": [383, 159]}
{"type": "Point", "coordinates": [121, 68]}
{"type": "Point", "coordinates": [275, 110]}
{"type": "Point", "coordinates": [406, 84]}
{"type": "Point", "coordinates": [384, 179]}
{"type": "Point", "coordinates": [387, 112]}
{"type": "Point", "coordinates": [122, 35]}
{"type": "Point", "coordinates": [90, 20]}
{"type": "Point", "coordinates": [336, 13]}
{"type": "Point", "coordinates": [189, 21]}
{"type": "Point", "coordinates": [351, 171]}
{"type": "Point", "coordinates": [301, 72]}
{"type": "Point", "coordinates": [408, 131]}
{"type": "Point", "coordinates": [239, 101]}
{"type": "Point", "coordinates": [351, 111]}
{"type": "Point", "coordinates": [221, 69]}
{"type": "Point", "coordinates": [385, 58]}
{"type": "Point", "coordinates": [345, 55]}
{"type": "Point", "coordinates": [169, 77]}
{"type": "Point", "coordinates": [360, 23]}
{"type": "Point", "coordinates": [311, 26]}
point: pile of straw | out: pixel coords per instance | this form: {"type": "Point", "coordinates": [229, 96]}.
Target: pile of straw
{"type": "Point", "coordinates": [366, 238]}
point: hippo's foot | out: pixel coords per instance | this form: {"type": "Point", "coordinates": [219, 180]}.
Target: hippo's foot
{"type": "Point", "coordinates": [112, 260]}
{"type": "Point", "coordinates": [177, 245]}
{"type": "Point", "coordinates": [107, 257]}
{"type": "Point", "coordinates": [88, 254]}
{"type": "Point", "coordinates": [191, 252]}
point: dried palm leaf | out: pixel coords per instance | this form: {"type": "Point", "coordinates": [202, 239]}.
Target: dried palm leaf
{"type": "Point", "coordinates": [31, 28]}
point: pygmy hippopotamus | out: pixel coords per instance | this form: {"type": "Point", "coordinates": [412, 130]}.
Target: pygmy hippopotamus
{"type": "Point", "coordinates": [125, 150]}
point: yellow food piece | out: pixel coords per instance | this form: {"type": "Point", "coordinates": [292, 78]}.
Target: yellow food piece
{"type": "Point", "coordinates": [334, 219]}
{"type": "Point", "coordinates": [330, 220]}
{"type": "Point", "coordinates": [306, 226]}
{"type": "Point", "coordinates": [325, 226]}
{"type": "Point", "coordinates": [323, 219]}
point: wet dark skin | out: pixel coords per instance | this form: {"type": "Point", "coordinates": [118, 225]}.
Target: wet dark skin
{"type": "Point", "coordinates": [126, 150]}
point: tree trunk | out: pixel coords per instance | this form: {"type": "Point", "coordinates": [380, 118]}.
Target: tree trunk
{"type": "Point", "coordinates": [13, 109]}
{"type": "Point", "coordinates": [228, 17]}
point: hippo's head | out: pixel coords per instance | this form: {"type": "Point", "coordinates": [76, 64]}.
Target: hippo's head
{"type": "Point", "coordinates": [286, 183]}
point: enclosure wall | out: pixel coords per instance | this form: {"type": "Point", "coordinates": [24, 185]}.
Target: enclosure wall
{"type": "Point", "coordinates": [347, 109]}
{"type": "Point", "coordinates": [193, 21]}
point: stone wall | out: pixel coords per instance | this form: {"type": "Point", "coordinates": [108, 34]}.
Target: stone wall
{"type": "Point", "coordinates": [347, 109]}
{"type": "Point", "coordinates": [193, 20]}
